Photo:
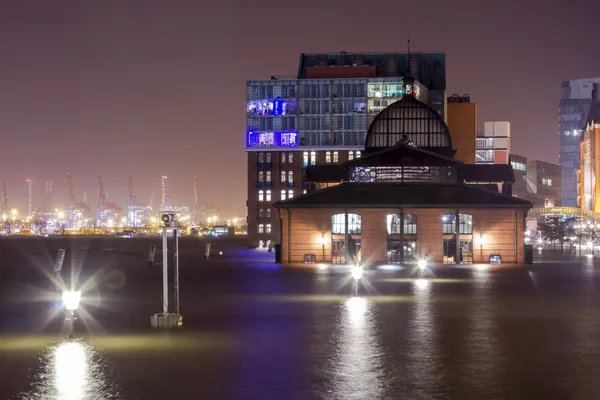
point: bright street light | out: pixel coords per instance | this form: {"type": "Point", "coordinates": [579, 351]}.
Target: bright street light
{"type": "Point", "coordinates": [422, 264]}
{"type": "Point", "coordinates": [357, 272]}
{"type": "Point", "coordinates": [71, 300]}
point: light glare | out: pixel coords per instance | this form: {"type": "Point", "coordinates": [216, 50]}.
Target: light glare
{"type": "Point", "coordinates": [71, 300]}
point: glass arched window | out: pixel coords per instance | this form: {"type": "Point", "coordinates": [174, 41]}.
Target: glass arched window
{"type": "Point", "coordinates": [261, 176]}
{"type": "Point", "coordinates": [393, 224]}
{"type": "Point", "coordinates": [465, 224]}
{"type": "Point", "coordinates": [338, 224]}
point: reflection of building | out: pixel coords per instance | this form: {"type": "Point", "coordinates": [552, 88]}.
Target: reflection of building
{"type": "Point", "coordinates": [536, 181]}
{"type": "Point", "coordinates": [406, 199]}
{"type": "Point", "coordinates": [462, 123]}
{"type": "Point", "coordinates": [588, 193]}
{"type": "Point", "coordinates": [577, 97]}
{"type": "Point", "coordinates": [493, 144]}
{"type": "Point", "coordinates": [321, 116]}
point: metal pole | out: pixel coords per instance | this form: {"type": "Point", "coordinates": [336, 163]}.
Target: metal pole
{"type": "Point", "coordinates": [70, 318]}
{"type": "Point", "coordinates": [176, 269]}
{"type": "Point", "coordinates": [165, 272]}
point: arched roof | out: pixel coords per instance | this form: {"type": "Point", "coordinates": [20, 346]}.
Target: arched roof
{"type": "Point", "coordinates": [412, 119]}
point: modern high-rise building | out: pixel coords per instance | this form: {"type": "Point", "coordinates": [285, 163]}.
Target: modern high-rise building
{"type": "Point", "coordinates": [575, 103]}
{"type": "Point", "coordinates": [321, 116]}
{"type": "Point", "coordinates": [588, 188]}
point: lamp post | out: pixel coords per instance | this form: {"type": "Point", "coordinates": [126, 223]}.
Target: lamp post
{"type": "Point", "coordinates": [578, 228]}
{"type": "Point", "coordinates": [482, 241]}
{"type": "Point", "coordinates": [322, 241]}
{"type": "Point", "coordinates": [71, 302]}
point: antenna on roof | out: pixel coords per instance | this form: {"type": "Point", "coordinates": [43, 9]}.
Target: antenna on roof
{"type": "Point", "coordinates": [408, 71]}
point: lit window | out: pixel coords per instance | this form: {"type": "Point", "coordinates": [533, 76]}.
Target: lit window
{"type": "Point", "coordinates": [305, 159]}
{"type": "Point", "coordinates": [336, 157]}
{"type": "Point", "coordinates": [291, 177]}
{"type": "Point", "coordinates": [350, 155]}
{"type": "Point", "coordinates": [313, 158]}
{"type": "Point", "coordinates": [261, 228]}
{"type": "Point", "coordinates": [268, 176]}
{"type": "Point", "coordinates": [283, 158]}
{"type": "Point", "coordinates": [358, 154]}
{"type": "Point", "coordinates": [261, 195]}
{"type": "Point", "coordinates": [268, 230]}
{"type": "Point", "coordinates": [327, 156]}
{"type": "Point", "coordinates": [261, 212]}
{"type": "Point", "coordinates": [290, 194]}
{"type": "Point", "coordinates": [393, 224]}
{"type": "Point", "coordinates": [290, 158]}
{"type": "Point", "coordinates": [465, 225]}
{"type": "Point", "coordinates": [546, 181]}
{"type": "Point", "coordinates": [261, 176]}
{"type": "Point", "coordinates": [268, 195]}
{"type": "Point", "coordinates": [338, 226]}
{"type": "Point", "coordinates": [261, 157]}
{"type": "Point", "coordinates": [282, 176]}
{"type": "Point", "coordinates": [304, 191]}
{"type": "Point", "coordinates": [268, 157]}
{"type": "Point", "coordinates": [283, 195]}
{"type": "Point", "coordinates": [268, 213]}
{"type": "Point", "coordinates": [548, 203]}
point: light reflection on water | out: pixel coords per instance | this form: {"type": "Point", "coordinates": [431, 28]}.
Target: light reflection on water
{"type": "Point", "coordinates": [484, 369]}
{"type": "Point", "coordinates": [424, 365]}
{"type": "Point", "coordinates": [358, 354]}
{"type": "Point", "coordinates": [71, 371]}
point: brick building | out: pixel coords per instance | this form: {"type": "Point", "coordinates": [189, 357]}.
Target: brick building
{"type": "Point", "coordinates": [407, 198]}
{"type": "Point", "coordinates": [320, 117]}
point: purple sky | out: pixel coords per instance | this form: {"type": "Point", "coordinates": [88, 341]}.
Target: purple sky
{"type": "Point", "coordinates": [110, 86]}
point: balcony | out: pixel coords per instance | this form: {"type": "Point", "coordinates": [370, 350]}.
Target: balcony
{"type": "Point", "coordinates": [263, 185]}
{"type": "Point", "coordinates": [264, 165]}
{"type": "Point", "coordinates": [290, 185]}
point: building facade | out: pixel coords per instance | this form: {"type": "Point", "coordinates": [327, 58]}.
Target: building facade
{"type": "Point", "coordinates": [406, 199]}
{"type": "Point", "coordinates": [493, 144]}
{"type": "Point", "coordinates": [537, 181]}
{"type": "Point", "coordinates": [462, 123]}
{"type": "Point", "coordinates": [321, 116]}
{"type": "Point", "coordinates": [588, 193]}
{"type": "Point", "coordinates": [575, 102]}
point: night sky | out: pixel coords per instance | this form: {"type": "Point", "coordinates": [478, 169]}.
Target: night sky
{"type": "Point", "coordinates": [158, 87]}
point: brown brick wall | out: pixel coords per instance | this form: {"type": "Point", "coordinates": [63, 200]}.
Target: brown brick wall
{"type": "Point", "coordinates": [276, 186]}
{"type": "Point", "coordinates": [496, 225]}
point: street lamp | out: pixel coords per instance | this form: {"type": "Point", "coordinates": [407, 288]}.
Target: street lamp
{"type": "Point", "coordinates": [356, 272]}
{"type": "Point", "coordinates": [71, 302]}
{"type": "Point", "coordinates": [482, 241]}
{"type": "Point", "coordinates": [422, 264]}
{"type": "Point", "coordinates": [322, 241]}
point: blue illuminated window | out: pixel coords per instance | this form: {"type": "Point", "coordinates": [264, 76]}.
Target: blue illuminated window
{"type": "Point", "coordinates": [272, 139]}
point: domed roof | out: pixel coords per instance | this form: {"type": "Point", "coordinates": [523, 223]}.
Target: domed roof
{"type": "Point", "coordinates": [410, 119]}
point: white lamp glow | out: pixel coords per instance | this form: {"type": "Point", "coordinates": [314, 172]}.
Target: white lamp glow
{"type": "Point", "coordinates": [422, 264]}
{"type": "Point", "coordinates": [357, 272]}
{"type": "Point", "coordinates": [71, 300]}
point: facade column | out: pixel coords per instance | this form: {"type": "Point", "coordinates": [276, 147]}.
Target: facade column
{"type": "Point", "coordinates": [401, 235]}
{"type": "Point", "coordinates": [457, 244]}
{"type": "Point", "coordinates": [346, 236]}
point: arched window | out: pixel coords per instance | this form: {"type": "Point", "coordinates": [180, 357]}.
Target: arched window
{"type": "Point", "coordinates": [338, 226]}
{"type": "Point", "coordinates": [465, 224]}
{"type": "Point", "coordinates": [261, 176]}
{"type": "Point", "coordinates": [393, 224]}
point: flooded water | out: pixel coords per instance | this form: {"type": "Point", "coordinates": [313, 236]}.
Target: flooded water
{"type": "Point", "coordinates": [253, 330]}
